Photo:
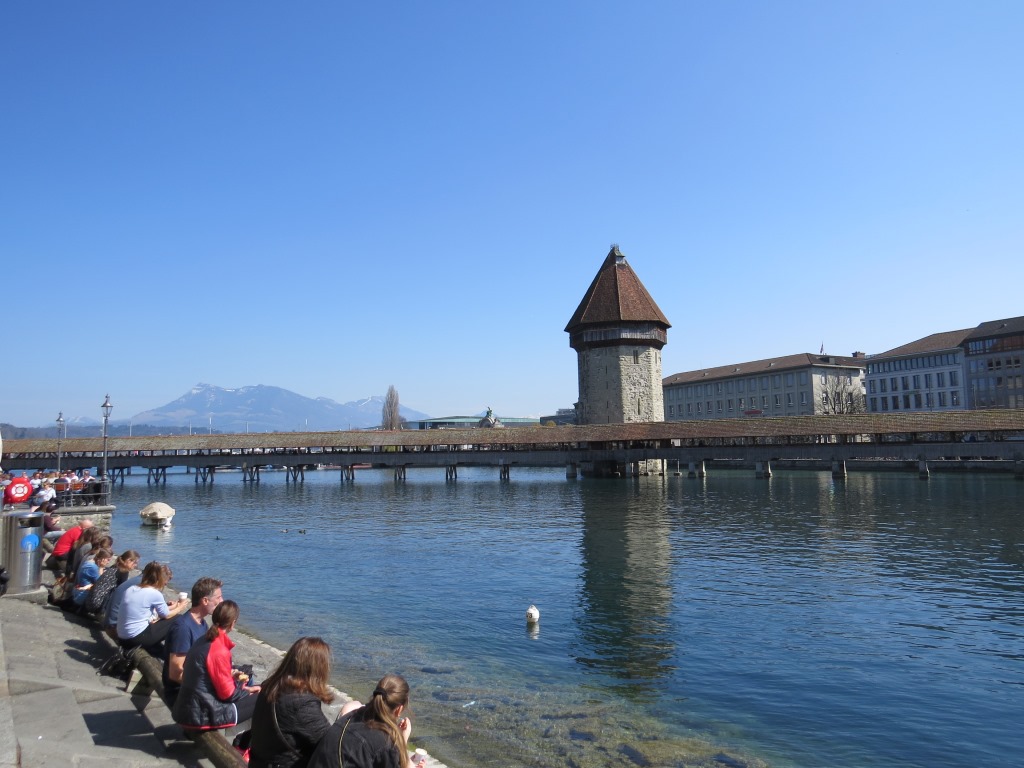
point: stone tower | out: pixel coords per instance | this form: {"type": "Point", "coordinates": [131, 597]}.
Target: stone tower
{"type": "Point", "coordinates": [618, 332]}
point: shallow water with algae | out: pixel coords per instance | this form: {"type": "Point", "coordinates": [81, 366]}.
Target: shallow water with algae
{"type": "Point", "coordinates": [727, 621]}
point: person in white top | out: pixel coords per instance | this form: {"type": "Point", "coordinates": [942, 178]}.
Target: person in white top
{"type": "Point", "coordinates": [143, 618]}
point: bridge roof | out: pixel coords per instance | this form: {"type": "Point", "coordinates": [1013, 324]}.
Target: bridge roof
{"type": "Point", "coordinates": [615, 296]}
{"type": "Point", "coordinates": [1007, 421]}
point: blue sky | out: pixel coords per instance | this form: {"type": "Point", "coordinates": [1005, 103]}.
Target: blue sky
{"type": "Point", "coordinates": [334, 197]}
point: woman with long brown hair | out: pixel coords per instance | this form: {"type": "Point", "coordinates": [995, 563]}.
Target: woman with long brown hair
{"type": "Point", "coordinates": [288, 722]}
{"type": "Point", "coordinates": [110, 580]}
{"type": "Point", "coordinates": [135, 618]}
{"type": "Point", "coordinates": [373, 736]}
{"type": "Point", "coordinates": [211, 694]}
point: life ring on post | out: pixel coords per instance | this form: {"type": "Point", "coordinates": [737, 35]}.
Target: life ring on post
{"type": "Point", "coordinates": [18, 491]}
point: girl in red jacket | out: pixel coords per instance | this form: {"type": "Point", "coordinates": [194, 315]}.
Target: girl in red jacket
{"type": "Point", "coordinates": [212, 694]}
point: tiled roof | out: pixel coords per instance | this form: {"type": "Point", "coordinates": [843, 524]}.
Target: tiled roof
{"type": "Point", "coordinates": [757, 367]}
{"type": "Point", "coordinates": [615, 296]}
{"type": "Point", "coordinates": [995, 328]}
{"type": "Point", "coordinates": [934, 343]}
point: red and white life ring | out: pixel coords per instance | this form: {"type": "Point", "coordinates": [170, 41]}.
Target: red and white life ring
{"type": "Point", "coordinates": [18, 491]}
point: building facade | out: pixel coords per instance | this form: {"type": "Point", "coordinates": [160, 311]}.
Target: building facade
{"type": "Point", "coordinates": [618, 333]}
{"type": "Point", "coordinates": [795, 385]}
{"type": "Point", "coordinates": [992, 357]}
{"type": "Point", "coordinates": [924, 375]}
{"type": "Point", "coordinates": [974, 368]}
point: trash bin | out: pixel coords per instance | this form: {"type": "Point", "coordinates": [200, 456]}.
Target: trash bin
{"type": "Point", "coordinates": [23, 553]}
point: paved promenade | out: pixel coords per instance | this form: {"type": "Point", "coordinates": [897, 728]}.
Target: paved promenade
{"type": "Point", "coordinates": [56, 711]}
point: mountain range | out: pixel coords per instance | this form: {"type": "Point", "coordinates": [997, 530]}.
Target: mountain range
{"type": "Point", "coordinates": [258, 408]}
{"type": "Point", "coordinates": [262, 408]}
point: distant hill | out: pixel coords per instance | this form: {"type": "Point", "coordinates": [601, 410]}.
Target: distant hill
{"type": "Point", "coordinates": [262, 408]}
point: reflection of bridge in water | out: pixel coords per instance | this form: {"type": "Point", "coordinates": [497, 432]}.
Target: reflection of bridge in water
{"type": "Point", "coordinates": [925, 439]}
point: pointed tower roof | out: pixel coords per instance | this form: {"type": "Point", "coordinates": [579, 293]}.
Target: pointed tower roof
{"type": "Point", "coordinates": [616, 296]}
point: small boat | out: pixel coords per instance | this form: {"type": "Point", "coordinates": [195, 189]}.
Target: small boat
{"type": "Point", "coordinates": [157, 513]}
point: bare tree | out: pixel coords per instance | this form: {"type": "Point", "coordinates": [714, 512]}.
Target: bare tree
{"type": "Point", "coordinates": [842, 394]}
{"type": "Point", "coordinates": [390, 418]}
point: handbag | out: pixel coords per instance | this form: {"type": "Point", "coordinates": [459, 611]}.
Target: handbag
{"type": "Point", "coordinates": [63, 589]}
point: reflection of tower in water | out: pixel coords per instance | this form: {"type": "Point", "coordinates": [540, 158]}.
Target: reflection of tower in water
{"type": "Point", "coordinates": [626, 597]}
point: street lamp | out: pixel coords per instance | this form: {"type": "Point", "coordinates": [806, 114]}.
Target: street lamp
{"type": "Point", "coordinates": [60, 428]}
{"type": "Point", "coordinates": [107, 408]}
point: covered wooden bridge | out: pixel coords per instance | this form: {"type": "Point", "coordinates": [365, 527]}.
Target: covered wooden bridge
{"type": "Point", "coordinates": [610, 449]}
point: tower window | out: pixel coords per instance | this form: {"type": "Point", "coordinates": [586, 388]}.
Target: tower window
{"type": "Point", "coordinates": [636, 357]}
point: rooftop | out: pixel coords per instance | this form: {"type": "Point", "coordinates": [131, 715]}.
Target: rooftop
{"type": "Point", "coordinates": [937, 342]}
{"type": "Point", "coordinates": [616, 296]}
{"type": "Point", "coordinates": [769, 365]}
{"type": "Point", "coordinates": [994, 328]}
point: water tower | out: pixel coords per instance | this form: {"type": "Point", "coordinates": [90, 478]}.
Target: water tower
{"type": "Point", "coordinates": [618, 332]}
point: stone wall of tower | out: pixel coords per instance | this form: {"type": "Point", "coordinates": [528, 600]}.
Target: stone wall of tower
{"type": "Point", "coordinates": [620, 385]}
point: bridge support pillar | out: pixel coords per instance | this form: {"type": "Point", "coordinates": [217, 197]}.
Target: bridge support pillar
{"type": "Point", "coordinates": [922, 469]}
{"type": "Point", "coordinates": [763, 470]}
{"type": "Point", "coordinates": [838, 468]}
{"type": "Point", "coordinates": [348, 473]}
{"type": "Point", "coordinates": [571, 471]}
{"type": "Point", "coordinates": [1018, 469]}
{"type": "Point", "coordinates": [204, 474]}
{"type": "Point", "coordinates": [295, 474]}
{"type": "Point", "coordinates": [399, 474]}
{"type": "Point", "coordinates": [250, 474]}
{"type": "Point", "coordinates": [696, 469]}
{"type": "Point", "coordinates": [503, 471]}
{"type": "Point", "coordinates": [451, 472]}
{"type": "Point", "coordinates": [157, 475]}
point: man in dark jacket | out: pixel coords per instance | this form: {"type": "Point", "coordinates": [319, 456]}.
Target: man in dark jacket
{"type": "Point", "coordinates": [186, 630]}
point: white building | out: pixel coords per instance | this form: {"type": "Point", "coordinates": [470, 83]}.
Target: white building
{"type": "Point", "coordinates": [795, 385]}
{"type": "Point", "coordinates": [924, 375]}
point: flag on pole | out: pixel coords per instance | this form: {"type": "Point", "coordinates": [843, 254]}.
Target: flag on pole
{"type": "Point", "coordinates": [822, 350]}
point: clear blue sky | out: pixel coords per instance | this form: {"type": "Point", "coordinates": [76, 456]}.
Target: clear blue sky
{"type": "Point", "coordinates": [334, 197]}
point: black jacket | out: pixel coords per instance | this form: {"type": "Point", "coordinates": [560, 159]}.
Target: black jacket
{"type": "Point", "coordinates": [363, 747]}
{"type": "Point", "coordinates": [300, 721]}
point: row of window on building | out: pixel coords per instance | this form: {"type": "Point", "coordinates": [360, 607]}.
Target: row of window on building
{"type": "Point", "coordinates": [729, 386]}
{"type": "Point", "coordinates": [916, 401]}
{"type": "Point", "coordinates": [911, 383]}
{"type": "Point", "coordinates": [730, 405]}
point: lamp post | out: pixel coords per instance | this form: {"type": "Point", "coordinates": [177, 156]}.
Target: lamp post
{"type": "Point", "coordinates": [60, 423]}
{"type": "Point", "coordinates": [107, 408]}
{"type": "Point", "coordinates": [60, 428]}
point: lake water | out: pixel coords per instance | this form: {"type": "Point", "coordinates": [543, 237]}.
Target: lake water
{"type": "Point", "coordinates": [801, 621]}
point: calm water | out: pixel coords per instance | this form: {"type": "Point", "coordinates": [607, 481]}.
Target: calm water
{"type": "Point", "coordinates": [793, 622]}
